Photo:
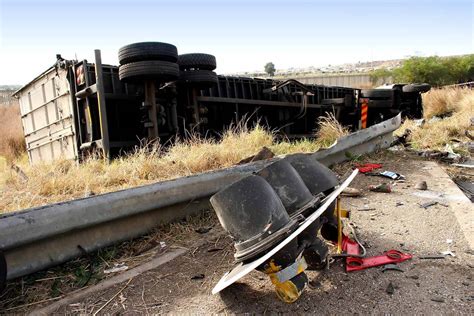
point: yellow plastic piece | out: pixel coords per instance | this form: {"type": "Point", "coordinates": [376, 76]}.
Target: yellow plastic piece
{"type": "Point", "coordinates": [339, 225]}
{"type": "Point", "coordinates": [286, 291]}
{"type": "Point", "coordinates": [345, 213]}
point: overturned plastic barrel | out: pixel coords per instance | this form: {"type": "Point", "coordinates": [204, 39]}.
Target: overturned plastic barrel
{"type": "Point", "coordinates": [318, 179]}
{"type": "Point", "coordinates": [253, 214]}
{"type": "Point", "coordinates": [289, 186]}
{"type": "Point", "coordinates": [298, 200]}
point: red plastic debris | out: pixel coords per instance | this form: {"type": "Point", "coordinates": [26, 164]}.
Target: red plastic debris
{"type": "Point", "coordinates": [355, 264]}
{"type": "Point", "coordinates": [368, 167]}
{"type": "Point", "coordinates": [391, 256]}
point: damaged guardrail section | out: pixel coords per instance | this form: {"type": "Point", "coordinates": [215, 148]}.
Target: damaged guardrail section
{"type": "Point", "coordinates": [37, 238]}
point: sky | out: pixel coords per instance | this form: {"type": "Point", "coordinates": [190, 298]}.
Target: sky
{"type": "Point", "coordinates": [243, 35]}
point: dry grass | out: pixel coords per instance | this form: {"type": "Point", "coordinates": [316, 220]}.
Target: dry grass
{"type": "Point", "coordinates": [457, 104]}
{"type": "Point", "coordinates": [65, 179]}
{"type": "Point", "coordinates": [330, 130]}
{"type": "Point", "coordinates": [444, 101]}
{"type": "Point", "coordinates": [12, 142]}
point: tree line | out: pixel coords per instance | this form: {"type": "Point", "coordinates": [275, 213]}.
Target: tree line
{"type": "Point", "coordinates": [435, 70]}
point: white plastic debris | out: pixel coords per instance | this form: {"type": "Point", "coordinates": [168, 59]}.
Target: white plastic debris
{"type": "Point", "coordinates": [162, 244]}
{"type": "Point", "coordinates": [118, 267]}
{"type": "Point", "coordinates": [448, 253]}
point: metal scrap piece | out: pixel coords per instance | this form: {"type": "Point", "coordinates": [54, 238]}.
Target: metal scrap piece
{"type": "Point", "coordinates": [392, 267]}
{"type": "Point", "coordinates": [432, 257]}
{"type": "Point", "coordinates": [428, 204]}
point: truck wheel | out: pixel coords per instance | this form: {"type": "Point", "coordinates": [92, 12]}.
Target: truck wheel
{"type": "Point", "coordinates": [202, 78]}
{"type": "Point", "coordinates": [197, 61]}
{"type": "Point", "coordinates": [416, 87]}
{"type": "Point", "coordinates": [377, 93]}
{"type": "Point", "coordinates": [147, 51]}
{"type": "Point", "coordinates": [149, 69]}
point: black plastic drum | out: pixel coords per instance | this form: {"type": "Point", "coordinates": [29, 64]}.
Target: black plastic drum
{"type": "Point", "coordinates": [288, 184]}
{"type": "Point", "coordinates": [317, 177]}
{"type": "Point", "coordinates": [253, 214]}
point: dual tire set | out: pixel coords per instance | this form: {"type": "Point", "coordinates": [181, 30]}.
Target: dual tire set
{"type": "Point", "coordinates": [160, 62]}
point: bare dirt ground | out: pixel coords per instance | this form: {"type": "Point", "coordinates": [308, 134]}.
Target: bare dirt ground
{"type": "Point", "coordinates": [436, 286]}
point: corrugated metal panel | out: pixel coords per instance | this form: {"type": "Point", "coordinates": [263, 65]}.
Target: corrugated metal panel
{"type": "Point", "coordinates": [48, 117]}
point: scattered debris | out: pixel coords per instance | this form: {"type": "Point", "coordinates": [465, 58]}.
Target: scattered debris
{"type": "Point", "coordinates": [399, 204]}
{"type": "Point", "coordinates": [366, 209]}
{"type": "Point", "coordinates": [162, 244]}
{"type": "Point", "coordinates": [469, 135]}
{"type": "Point", "coordinates": [470, 147]}
{"type": "Point", "coordinates": [428, 204]}
{"type": "Point", "coordinates": [448, 253]}
{"type": "Point", "coordinates": [467, 187]}
{"type": "Point", "coordinates": [368, 167]}
{"type": "Point", "coordinates": [215, 249]}
{"type": "Point", "coordinates": [19, 172]}
{"type": "Point", "coordinates": [438, 299]}
{"type": "Point", "coordinates": [392, 175]}
{"type": "Point", "coordinates": [447, 156]}
{"type": "Point", "coordinates": [432, 257]}
{"type": "Point", "coordinates": [419, 122]}
{"type": "Point", "coordinates": [396, 148]}
{"type": "Point", "coordinates": [406, 137]}
{"type": "Point", "coordinates": [390, 288]}
{"type": "Point", "coordinates": [314, 283]}
{"type": "Point", "coordinates": [203, 230]}
{"type": "Point", "coordinates": [88, 193]}
{"type": "Point", "coordinates": [199, 276]}
{"type": "Point", "coordinates": [422, 185]}
{"type": "Point", "coordinates": [392, 267]}
{"type": "Point", "coordinates": [351, 192]}
{"type": "Point", "coordinates": [384, 188]}
{"type": "Point", "coordinates": [118, 267]}
{"type": "Point", "coordinates": [465, 164]}
{"type": "Point", "coordinates": [414, 277]}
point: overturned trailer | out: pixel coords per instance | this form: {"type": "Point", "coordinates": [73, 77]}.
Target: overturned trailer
{"type": "Point", "coordinates": [77, 107]}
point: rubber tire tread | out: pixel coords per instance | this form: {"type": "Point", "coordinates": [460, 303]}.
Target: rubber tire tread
{"type": "Point", "coordinates": [197, 61]}
{"type": "Point", "coordinates": [416, 87]}
{"type": "Point", "coordinates": [198, 77]}
{"type": "Point", "coordinates": [377, 93]}
{"type": "Point", "coordinates": [147, 51]}
{"type": "Point", "coordinates": [149, 69]}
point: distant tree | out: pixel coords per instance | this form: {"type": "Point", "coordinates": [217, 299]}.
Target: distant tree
{"type": "Point", "coordinates": [270, 69]}
{"type": "Point", "coordinates": [380, 76]}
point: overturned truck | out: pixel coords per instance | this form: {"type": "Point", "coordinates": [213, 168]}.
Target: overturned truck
{"type": "Point", "coordinates": [77, 107]}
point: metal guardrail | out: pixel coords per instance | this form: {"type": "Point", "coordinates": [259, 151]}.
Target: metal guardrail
{"type": "Point", "coordinates": [41, 237]}
{"type": "Point", "coordinates": [469, 84]}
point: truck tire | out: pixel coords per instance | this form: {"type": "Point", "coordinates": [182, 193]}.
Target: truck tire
{"type": "Point", "coordinates": [197, 61]}
{"type": "Point", "coordinates": [416, 87]}
{"type": "Point", "coordinates": [147, 51]}
{"type": "Point", "coordinates": [149, 70]}
{"type": "Point", "coordinates": [377, 93]}
{"type": "Point", "coordinates": [202, 78]}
